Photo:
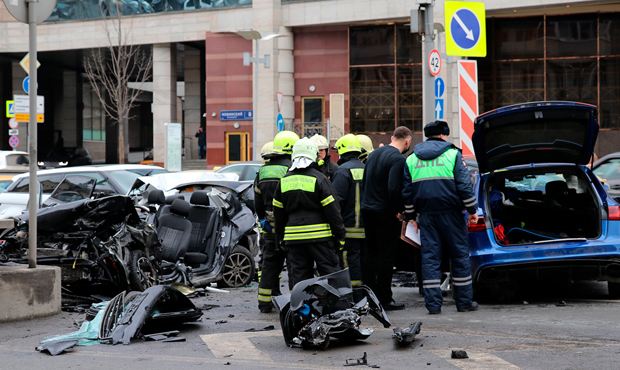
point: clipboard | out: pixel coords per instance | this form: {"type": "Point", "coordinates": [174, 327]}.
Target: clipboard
{"type": "Point", "coordinates": [410, 234]}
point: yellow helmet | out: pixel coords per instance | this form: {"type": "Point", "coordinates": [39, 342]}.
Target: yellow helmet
{"type": "Point", "coordinates": [366, 143]}
{"type": "Point", "coordinates": [267, 150]}
{"type": "Point", "coordinates": [348, 143]}
{"type": "Point", "coordinates": [283, 142]}
{"type": "Point", "coordinates": [320, 141]}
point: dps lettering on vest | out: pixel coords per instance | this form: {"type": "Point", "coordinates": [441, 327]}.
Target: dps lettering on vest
{"type": "Point", "coordinates": [440, 168]}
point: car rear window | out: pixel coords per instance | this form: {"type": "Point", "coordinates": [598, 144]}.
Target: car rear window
{"type": "Point", "coordinates": [609, 170]}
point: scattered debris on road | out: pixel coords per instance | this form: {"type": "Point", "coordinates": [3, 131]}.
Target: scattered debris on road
{"type": "Point", "coordinates": [266, 328]}
{"type": "Point", "coordinates": [406, 336]}
{"type": "Point", "coordinates": [362, 361]}
{"type": "Point", "coordinates": [459, 354]}
{"type": "Point", "coordinates": [161, 336]}
{"type": "Point", "coordinates": [221, 322]}
{"type": "Point", "coordinates": [325, 308]}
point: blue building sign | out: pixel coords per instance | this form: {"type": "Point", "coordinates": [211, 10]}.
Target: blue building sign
{"type": "Point", "coordinates": [236, 115]}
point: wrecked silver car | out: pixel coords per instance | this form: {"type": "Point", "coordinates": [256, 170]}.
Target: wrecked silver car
{"type": "Point", "coordinates": [325, 308]}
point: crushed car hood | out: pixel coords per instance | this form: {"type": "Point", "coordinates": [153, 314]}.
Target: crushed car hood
{"type": "Point", "coordinates": [540, 132]}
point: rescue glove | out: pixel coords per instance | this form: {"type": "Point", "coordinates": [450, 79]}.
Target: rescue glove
{"type": "Point", "coordinates": [265, 225]}
{"type": "Point", "coordinates": [342, 254]}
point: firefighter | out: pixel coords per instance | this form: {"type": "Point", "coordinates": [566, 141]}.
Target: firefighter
{"type": "Point", "coordinates": [265, 184]}
{"type": "Point", "coordinates": [367, 147]}
{"type": "Point", "coordinates": [438, 188]}
{"type": "Point", "coordinates": [267, 151]}
{"type": "Point", "coordinates": [347, 182]}
{"type": "Point", "coordinates": [324, 162]}
{"type": "Point", "coordinates": [308, 216]}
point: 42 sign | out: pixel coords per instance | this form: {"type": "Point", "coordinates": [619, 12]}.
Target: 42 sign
{"type": "Point", "coordinates": [434, 62]}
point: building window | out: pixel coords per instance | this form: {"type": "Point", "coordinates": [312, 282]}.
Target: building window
{"type": "Point", "coordinates": [93, 116]}
{"type": "Point", "coordinates": [385, 77]}
{"type": "Point", "coordinates": [574, 57]}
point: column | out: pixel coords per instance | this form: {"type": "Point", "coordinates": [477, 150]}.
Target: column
{"type": "Point", "coordinates": [191, 106]}
{"type": "Point", "coordinates": [164, 96]}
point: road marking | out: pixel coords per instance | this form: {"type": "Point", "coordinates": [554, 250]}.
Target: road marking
{"type": "Point", "coordinates": [238, 346]}
{"type": "Point", "coordinates": [476, 360]}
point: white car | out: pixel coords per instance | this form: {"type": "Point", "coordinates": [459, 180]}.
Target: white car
{"type": "Point", "coordinates": [13, 161]}
{"type": "Point", "coordinates": [111, 179]}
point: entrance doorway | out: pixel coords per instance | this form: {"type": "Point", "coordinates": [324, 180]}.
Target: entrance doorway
{"type": "Point", "coordinates": [237, 147]}
{"type": "Point", "coordinates": [312, 112]}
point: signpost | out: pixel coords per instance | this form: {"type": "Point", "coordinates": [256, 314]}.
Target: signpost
{"type": "Point", "coordinates": [31, 12]}
{"type": "Point", "coordinates": [280, 122]}
{"type": "Point", "coordinates": [14, 142]}
{"type": "Point", "coordinates": [465, 29]}
{"type": "Point", "coordinates": [10, 109]}
{"type": "Point", "coordinates": [21, 108]}
{"type": "Point", "coordinates": [236, 115]}
{"type": "Point", "coordinates": [13, 123]}
{"type": "Point", "coordinates": [434, 62]}
{"type": "Point", "coordinates": [440, 88]}
{"type": "Point", "coordinates": [26, 84]}
{"type": "Point", "coordinates": [468, 102]}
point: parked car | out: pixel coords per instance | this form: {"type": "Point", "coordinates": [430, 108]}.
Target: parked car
{"type": "Point", "coordinates": [246, 171]}
{"type": "Point", "coordinates": [111, 179]}
{"type": "Point", "coordinates": [607, 169]}
{"type": "Point", "coordinates": [13, 162]}
{"type": "Point", "coordinates": [543, 213]}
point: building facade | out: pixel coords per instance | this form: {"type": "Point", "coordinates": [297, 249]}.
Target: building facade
{"type": "Point", "coordinates": [335, 66]}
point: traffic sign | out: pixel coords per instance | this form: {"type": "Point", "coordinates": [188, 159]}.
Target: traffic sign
{"type": "Point", "coordinates": [434, 62]}
{"type": "Point", "coordinates": [236, 115]}
{"type": "Point", "coordinates": [19, 9]}
{"type": "Point", "coordinates": [10, 109]}
{"type": "Point", "coordinates": [440, 87]}
{"type": "Point", "coordinates": [13, 141]}
{"type": "Point", "coordinates": [465, 29]}
{"type": "Point", "coordinates": [468, 102]}
{"type": "Point", "coordinates": [13, 132]}
{"type": "Point", "coordinates": [280, 122]}
{"type": "Point", "coordinates": [439, 108]}
{"type": "Point", "coordinates": [26, 84]}
{"type": "Point", "coordinates": [25, 63]}
{"type": "Point", "coordinates": [13, 123]}
{"type": "Point", "coordinates": [22, 108]}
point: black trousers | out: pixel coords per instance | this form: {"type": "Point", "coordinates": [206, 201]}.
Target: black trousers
{"type": "Point", "coordinates": [272, 265]}
{"type": "Point", "coordinates": [302, 257]}
{"type": "Point", "coordinates": [382, 240]}
{"type": "Point", "coordinates": [353, 248]}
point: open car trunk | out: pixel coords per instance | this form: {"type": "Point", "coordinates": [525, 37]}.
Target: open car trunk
{"type": "Point", "coordinates": [542, 205]}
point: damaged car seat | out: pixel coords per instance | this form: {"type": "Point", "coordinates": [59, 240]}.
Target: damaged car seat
{"type": "Point", "coordinates": [174, 231]}
{"type": "Point", "coordinates": [203, 218]}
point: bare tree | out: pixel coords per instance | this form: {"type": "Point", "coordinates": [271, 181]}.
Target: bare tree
{"type": "Point", "coordinates": [111, 69]}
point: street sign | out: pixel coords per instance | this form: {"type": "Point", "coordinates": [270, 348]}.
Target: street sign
{"type": "Point", "coordinates": [19, 10]}
{"type": "Point", "coordinates": [26, 84]}
{"type": "Point", "coordinates": [13, 141]}
{"type": "Point", "coordinates": [465, 29]}
{"type": "Point", "coordinates": [468, 102]}
{"type": "Point", "coordinates": [22, 108]}
{"type": "Point", "coordinates": [439, 108]}
{"type": "Point", "coordinates": [25, 63]}
{"type": "Point", "coordinates": [280, 122]}
{"type": "Point", "coordinates": [440, 87]}
{"type": "Point", "coordinates": [434, 62]}
{"type": "Point", "coordinates": [10, 109]}
{"type": "Point", "coordinates": [13, 132]}
{"type": "Point", "coordinates": [13, 123]}
{"type": "Point", "coordinates": [236, 115]}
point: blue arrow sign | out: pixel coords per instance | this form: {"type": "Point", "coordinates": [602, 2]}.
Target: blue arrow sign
{"type": "Point", "coordinates": [465, 28]}
{"type": "Point", "coordinates": [26, 84]}
{"type": "Point", "coordinates": [438, 108]}
{"type": "Point", "coordinates": [280, 122]}
{"type": "Point", "coordinates": [440, 87]}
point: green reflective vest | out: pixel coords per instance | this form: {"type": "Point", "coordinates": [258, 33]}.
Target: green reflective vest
{"type": "Point", "coordinates": [440, 168]}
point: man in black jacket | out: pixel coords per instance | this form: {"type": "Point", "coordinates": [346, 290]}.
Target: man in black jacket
{"type": "Point", "coordinates": [381, 208]}
{"type": "Point", "coordinates": [347, 182]}
{"type": "Point", "coordinates": [308, 216]}
{"type": "Point", "coordinates": [437, 189]}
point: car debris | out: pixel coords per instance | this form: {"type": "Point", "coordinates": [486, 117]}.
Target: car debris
{"type": "Point", "coordinates": [362, 361]}
{"type": "Point", "coordinates": [129, 316]}
{"type": "Point", "coordinates": [266, 328]}
{"type": "Point", "coordinates": [406, 336]}
{"type": "Point", "coordinates": [325, 308]}
{"type": "Point", "coordinates": [459, 354]}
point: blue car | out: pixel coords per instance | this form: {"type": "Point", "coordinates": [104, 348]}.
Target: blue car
{"type": "Point", "coordinates": [544, 214]}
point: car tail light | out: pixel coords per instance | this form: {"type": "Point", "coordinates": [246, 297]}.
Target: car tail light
{"type": "Point", "coordinates": [478, 226]}
{"type": "Point", "coordinates": [613, 213]}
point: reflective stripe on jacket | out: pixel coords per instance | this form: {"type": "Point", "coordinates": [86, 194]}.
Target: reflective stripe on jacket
{"type": "Point", "coordinates": [348, 182]}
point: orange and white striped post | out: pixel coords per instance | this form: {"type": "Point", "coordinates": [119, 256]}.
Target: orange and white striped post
{"type": "Point", "coordinates": [468, 102]}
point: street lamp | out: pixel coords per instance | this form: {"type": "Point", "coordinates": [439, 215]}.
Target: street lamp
{"type": "Point", "coordinates": [256, 60]}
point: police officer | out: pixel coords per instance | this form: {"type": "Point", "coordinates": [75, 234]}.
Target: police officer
{"type": "Point", "coordinates": [367, 147]}
{"type": "Point", "coordinates": [437, 188]}
{"type": "Point", "coordinates": [324, 162]}
{"type": "Point", "coordinates": [347, 182]}
{"type": "Point", "coordinates": [308, 216]}
{"type": "Point", "coordinates": [265, 185]}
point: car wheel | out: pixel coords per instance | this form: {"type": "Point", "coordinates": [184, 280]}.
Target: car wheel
{"type": "Point", "coordinates": [613, 289]}
{"type": "Point", "coordinates": [142, 272]}
{"type": "Point", "coordinates": [238, 268]}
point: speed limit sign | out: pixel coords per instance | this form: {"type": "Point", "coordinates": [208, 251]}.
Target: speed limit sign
{"type": "Point", "coordinates": [434, 62]}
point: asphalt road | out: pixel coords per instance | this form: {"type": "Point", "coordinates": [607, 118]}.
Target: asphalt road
{"type": "Point", "coordinates": [578, 328]}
